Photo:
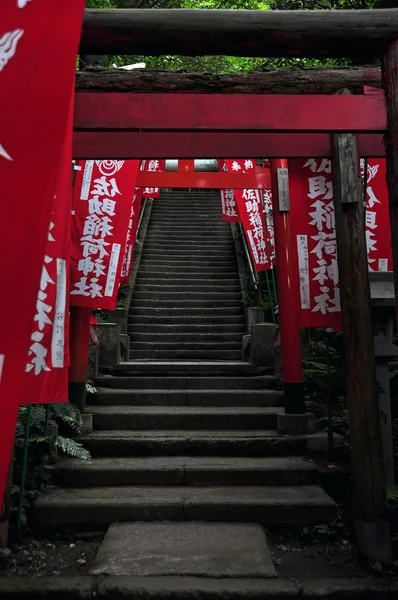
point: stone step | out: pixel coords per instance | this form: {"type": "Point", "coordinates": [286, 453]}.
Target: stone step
{"type": "Point", "coordinates": [159, 251]}
{"type": "Point", "coordinates": [183, 311]}
{"type": "Point", "coordinates": [183, 550]}
{"type": "Point", "coordinates": [199, 223]}
{"type": "Point", "coordinates": [200, 326]}
{"type": "Point", "coordinates": [204, 263]}
{"type": "Point", "coordinates": [143, 300]}
{"type": "Point", "coordinates": [190, 286]}
{"type": "Point", "coordinates": [185, 345]}
{"type": "Point", "coordinates": [212, 230]}
{"type": "Point", "coordinates": [188, 244]}
{"type": "Point", "coordinates": [119, 443]}
{"type": "Point", "coordinates": [194, 246]}
{"type": "Point", "coordinates": [208, 397]}
{"type": "Point", "coordinates": [186, 470]}
{"type": "Point", "coordinates": [189, 368]}
{"type": "Point", "coordinates": [198, 299]}
{"type": "Point", "coordinates": [155, 271]}
{"type": "Point", "coordinates": [185, 339]}
{"type": "Point", "coordinates": [186, 354]}
{"type": "Point", "coordinates": [260, 382]}
{"type": "Point", "coordinates": [141, 418]}
{"type": "Point", "coordinates": [273, 505]}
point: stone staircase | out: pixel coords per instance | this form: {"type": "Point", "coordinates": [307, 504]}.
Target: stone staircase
{"type": "Point", "coordinates": [187, 301]}
{"type": "Point", "coordinates": [185, 431]}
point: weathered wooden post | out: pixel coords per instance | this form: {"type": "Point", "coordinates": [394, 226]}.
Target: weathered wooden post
{"type": "Point", "coordinates": [370, 509]}
{"type": "Point", "coordinates": [390, 84]}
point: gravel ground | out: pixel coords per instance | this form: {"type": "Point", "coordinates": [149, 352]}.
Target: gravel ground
{"type": "Point", "coordinates": [48, 557]}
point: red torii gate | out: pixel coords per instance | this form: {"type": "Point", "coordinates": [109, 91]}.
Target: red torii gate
{"type": "Point", "coordinates": [176, 125]}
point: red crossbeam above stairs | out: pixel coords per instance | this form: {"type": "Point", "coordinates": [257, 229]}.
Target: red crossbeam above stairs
{"type": "Point", "coordinates": [132, 144]}
{"type": "Point", "coordinates": [191, 179]}
{"type": "Point", "coordinates": [208, 112]}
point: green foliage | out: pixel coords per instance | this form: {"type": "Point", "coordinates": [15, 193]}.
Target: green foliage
{"type": "Point", "coordinates": [229, 64]}
{"type": "Point", "coordinates": [39, 466]}
{"type": "Point", "coordinates": [325, 379]}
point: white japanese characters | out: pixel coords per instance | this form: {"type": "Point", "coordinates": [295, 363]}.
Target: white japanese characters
{"type": "Point", "coordinates": [49, 321]}
{"type": "Point", "coordinates": [98, 265]}
{"type": "Point", "coordinates": [319, 264]}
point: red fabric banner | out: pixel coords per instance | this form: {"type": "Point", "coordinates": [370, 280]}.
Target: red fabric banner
{"type": "Point", "coordinates": [229, 208]}
{"type": "Point", "coordinates": [101, 208]}
{"type": "Point", "coordinates": [312, 223]}
{"type": "Point", "coordinates": [378, 236]}
{"type": "Point", "coordinates": [33, 122]}
{"type": "Point", "coordinates": [313, 227]}
{"type": "Point", "coordinates": [251, 214]}
{"type": "Point", "coordinates": [46, 379]}
{"type": "Point", "coordinates": [152, 165]}
{"type": "Point", "coordinates": [131, 236]}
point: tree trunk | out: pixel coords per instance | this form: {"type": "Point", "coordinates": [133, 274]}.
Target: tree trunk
{"type": "Point", "coordinates": [260, 33]}
{"type": "Point", "coordinates": [272, 81]}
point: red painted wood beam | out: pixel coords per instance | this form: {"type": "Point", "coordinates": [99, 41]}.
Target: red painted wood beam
{"type": "Point", "coordinates": [191, 179]}
{"type": "Point", "coordinates": [181, 145]}
{"type": "Point", "coordinates": [254, 112]}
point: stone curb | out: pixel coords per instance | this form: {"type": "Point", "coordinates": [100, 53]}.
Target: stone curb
{"type": "Point", "coordinates": [195, 588]}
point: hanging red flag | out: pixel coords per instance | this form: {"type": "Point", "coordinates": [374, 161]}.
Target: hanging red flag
{"type": "Point", "coordinates": [46, 379]}
{"type": "Point", "coordinates": [229, 208]}
{"type": "Point", "coordinates": [101, 208]}
{"type": "Point", "coordinates": [152, 165]}
{"type": "Point", "coordinates": [251, 214]}
{"type": "Point", "coordinates": [313, 226]}
{"type": "Point", "coordinates": [131, 236]}
{"type": "Point", "coordinates": [378, 236]}
{"type": "Point", "coordinates": [33, 123]}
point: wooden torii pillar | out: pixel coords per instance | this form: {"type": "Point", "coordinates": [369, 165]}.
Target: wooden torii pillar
{"type": "Point", "coordinates": [317, 34]}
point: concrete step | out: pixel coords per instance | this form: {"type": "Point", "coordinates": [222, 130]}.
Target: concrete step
{"type": "Point", "coordinates": [182, 310]}
{"type": "Point", "coordinates": [190, 286]}
{"type": "Point", "coordinates": [155, 302]}
{"type": "Point", "coordinates": [119, 443]}
{"type": "Point", "coordinates": [186, 354]}
{"type": "Point", "coordinates": [140, 418]}
{"type": "Point", "coordinates": [260, 382]}
{"type": "Point", "coordinates": [184, 338]}
{"type": "Point", "coordinates": [168, 396]}
{"type": "Point", "coordinates": [186, 470]}
{"type": "Point", "coordinates": [273, 505]}
{"type": "Point", "coordinates": [185, 345]}
{"type": "Point", "coordinates": [155, 326]}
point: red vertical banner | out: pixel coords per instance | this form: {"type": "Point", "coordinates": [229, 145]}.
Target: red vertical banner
{"type": "Point", "coordinates": [153, 165]}
{"type": "Point", "coordinates": [378, 236]}
{"type": "Point", "coordinates": [251, 214]}
{"type": "Point", "coordinates": [131, 236]}
{"type": "Point", "coordinates": [313, 227]}
{"type": "Point", "coordinates": [229, 208]}
{"type": "Point", "coordinates": [101, 208]}
{"type": "Point", "coordinates": [33, 123]}
{"type": "Point", "coordinates": [46, 379]}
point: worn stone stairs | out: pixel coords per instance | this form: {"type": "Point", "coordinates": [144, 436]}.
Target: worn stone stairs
{"type": "Point", "coordinates": [187, 301]}
{"type": "Point", "coordinates": [185, 431]}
